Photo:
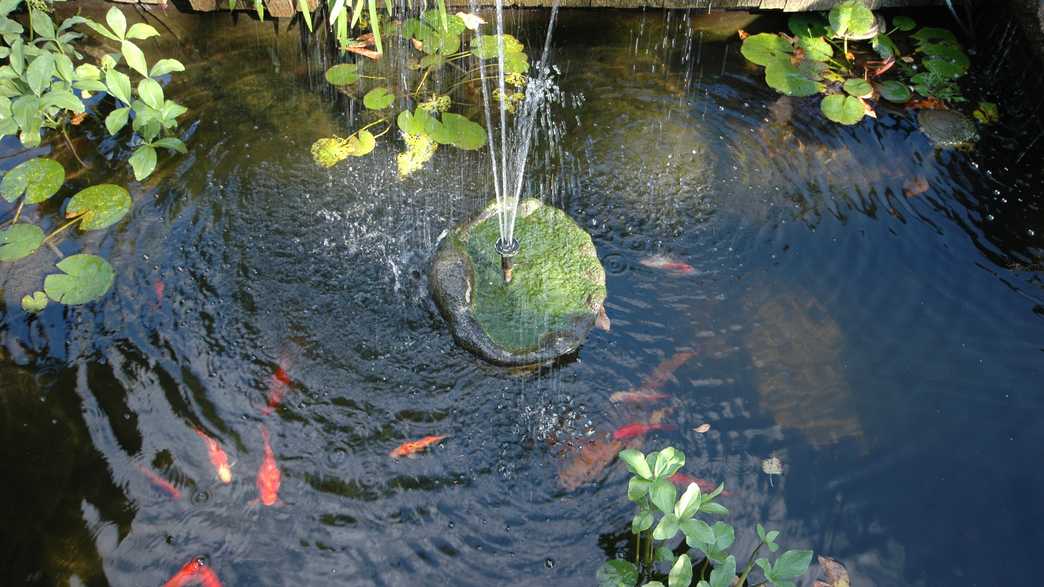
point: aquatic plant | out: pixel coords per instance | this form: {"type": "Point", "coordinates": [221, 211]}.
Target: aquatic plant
{"type": "Point", "coordinates": [653, 492]}
{"type": "Point", "coordinates": [827, 56]}
{"type": "Point", "coordinates": [46, 80]}
{"type": "Point", "coordinates": [440, 39]}
{"type": "Point", "coordinates": [83, 277]}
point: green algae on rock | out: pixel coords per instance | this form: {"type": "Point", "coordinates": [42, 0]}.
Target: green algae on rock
{"type": "Point", "coordinates": [551, 303]}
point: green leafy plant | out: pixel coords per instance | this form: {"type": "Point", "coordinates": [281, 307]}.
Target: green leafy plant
{"type": "Point", "coordinates": [817, 58]}
{"type": "Point", "coordinates": [45, 82]}
{"type": "Point", "coordinates": [653, 492]}
{"type": "Point", "coordinates": [442, 42]}
{"type": "Point", "coordinates": [83, 278]}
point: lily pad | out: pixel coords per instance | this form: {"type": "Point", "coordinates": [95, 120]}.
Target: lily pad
{"type": "Point", "coordinates": [362, 143]}
{"type": "Point", "coordinates": [85, 278]}
{"type": "Point", "coordinates": [765, 48]}
{"type": "Point", "coordinates": [904, 23]}
{"type": "Point", "coordinates": [851, 19]}
{"type": "Point", "coordinates": [378, 98]}
{"type": "Point", "coordinates": [816, 48]}
{"type": "Point", "coordinates": [842, 109]}
{"type": "Point", "coordinates": [20, 240]}
{"type": "Point", "coordinates": [894, 91]}
{"type": "Point", "coordinates": [343, 74]}
{"type": "Point", "coordinates": [860, 88]}
{"type": "Point", "coordinates": [794, 80]}
{"type": "Point", "coordinates": [101, 206]}
{"type": "Point", "coordinates": [807, 24]}
{"type": "Point", "coordinates": [37, 178]}
{"type": "Point", "coordinates": [485, 46]}
{"type": "Point", "coordinates": [460, 132]}
{"type": "Point", "coordinates": [34, 303]}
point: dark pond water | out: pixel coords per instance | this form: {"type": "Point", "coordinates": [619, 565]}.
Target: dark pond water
{"type": "Point", "coordinates": [888, 349]}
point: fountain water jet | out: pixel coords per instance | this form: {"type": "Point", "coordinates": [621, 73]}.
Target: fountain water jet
{"type": "Point", "coordinates": [513, 304]}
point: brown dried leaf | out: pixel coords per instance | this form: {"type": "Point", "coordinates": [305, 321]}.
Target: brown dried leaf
{"type": "Point", "coordinates": [702, 428]}
{"type": "Point", "coordinates": [915, 187]}
{"type": "Point", "coordinates": [837, 574]}
{"type": "Point", "coordinates": [365, 52]}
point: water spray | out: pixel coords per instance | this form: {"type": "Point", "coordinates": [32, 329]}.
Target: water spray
{"type": "Point", "coordinates": [506, 252]}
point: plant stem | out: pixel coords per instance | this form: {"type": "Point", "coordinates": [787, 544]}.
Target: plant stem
{"type": "Point", "coordinates": [422, 80]}
{"type": "Point", "coordinates": [703, 568]}
{"type": "Point", "coordinates": [18, 212]}
{"type": "Point", "coordinates": [72, 148]}
{"type": "Point", "coordinates": [374, 123]}
{"type": "Point", "coordinates": [62, 227]}
{"type": "Point", "coordinates": [637, 547]}
{"type": "Point", "coordinates": [750, 564]}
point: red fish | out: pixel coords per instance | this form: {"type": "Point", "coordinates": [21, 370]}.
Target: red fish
{"type": "Point", "coordinates": [638, 395]}
{"type": "Point", "coordinates": [160, 482]}
{"type": "Point", "coordinates": [636, 429]}
{"type": "Point", "coordinates": [683, 480]}
{"type": "Point", "coordinates": [187, 574]}
{"type": "Point", "coordinates": [415, 446]}
{"type": "Point", "coordinates": [208, 578]}
{"type": "Point", "coordinates": [159, 287]}
{"type": "Point", "coordinates": [218, 458]}
{"type": "Point", "coordinates": [268, 476]}
{"type": "Point", "coordinates": [277, 387]}
{"type": "Point", "coordinates": [667, 264]}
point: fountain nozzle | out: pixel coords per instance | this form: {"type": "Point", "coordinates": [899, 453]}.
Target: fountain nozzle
{"type": "Point", "coordinates": [506, 252]}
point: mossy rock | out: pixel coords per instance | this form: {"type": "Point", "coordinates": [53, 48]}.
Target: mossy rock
{"type": "Point", "coordinates": [947, 128]}
{"type": "Point", "coordinates": [550, 305]}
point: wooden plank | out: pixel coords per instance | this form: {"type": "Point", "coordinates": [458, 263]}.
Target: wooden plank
{"type": "Point", "coordinates": [773, 4]}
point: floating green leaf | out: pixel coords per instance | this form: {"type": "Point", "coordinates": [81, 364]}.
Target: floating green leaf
{"type": "Point", "coordinates": [816, 48]}
{"type": "Point", "coordinates": [842, 109]}
{"type": "Point", "coordinates": [85, 278]}
{"type": "Point", "coordinates": [904, 23]}
{"type": "Point", "coordinates": [851, 18]}
{"type": "Point", "coordinates": [807, 24]}
{"type": "Point", "coordinates": [617, 573]}
{"type": "Point", "coordinates": [765, 48]}
{"type": "Point", "coordinates": [885, 46]}
{"type": "Point", "coordinates": [460, 132]}
{"type": "Point", "coordinates": [894, 91]}
{"type": "Point", "coordinates": [343, 74]}
{"type": "Point", "coordinates": [37, 178]}
{"type": "Point", "coordinates": [34, 303]}
{"type": "Point", "coordinates": [987, 113]}
{"type": "Point", "coordinates": [794, 80]}
{"type": "Point", "coordinates": [486, 46]}
{"type": "Point", "coordinates": [20, 240]}
{"type": "Point", "coordinates": [860, 88]}
{"type": "Point", "coordinates": [100, 206]}
{"type": "Point", "coordinates": [362, 143]}
{"type": "Point", "coordinates": [378, 98]}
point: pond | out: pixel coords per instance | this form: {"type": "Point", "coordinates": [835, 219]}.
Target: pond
{"type": "Point", "coordinates": [853, 300]}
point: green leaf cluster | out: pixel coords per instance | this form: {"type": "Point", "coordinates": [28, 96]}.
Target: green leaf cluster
{"type": "Point", "coordinates": [652, 490]}
{"type": "Point", "coordinates": [83, 278]}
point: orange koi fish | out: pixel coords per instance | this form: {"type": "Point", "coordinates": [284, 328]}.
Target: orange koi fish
{"type": "Point", "coordinates": [683, 480]}
{"type": "Point", "coordinates": [208, 578]}
{"type": "Point", "coordinates": [636, 429]}
{"type": "Point", "coordinates": [160, 483]}
{"type": "Point", "coordinates": [187, 573]}
{"type": "Point", "coordinates": [636, 396]}
{"type": "Point", "coordinates": [415, 446]}
{"type": "Point", "coordinates": [667, 264]}
{"type": "Point", "coordinates": [218, 458]}
{"type": "Point", "coordinates": [277, 387]}
{"type": "Point", "coordinates": [665, 370]}
{"type": "Point", "coordinates": [159, 287]}
{"type": "Point", "coordinates": [268, 476]}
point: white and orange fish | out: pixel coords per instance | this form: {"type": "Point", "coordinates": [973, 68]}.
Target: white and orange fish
{"type": "Point", "coordinates": [278, 385]}
{"type": "Point", "coordinates": [188, 573]}
{"type": "Point", "coordinates": [638, 396]}
{"type": "Point", "coordinates": [268, 476]}
{"type": "Point", "coordinates": [218, 458]}
{"type": "Point", "coordinates": [413, 447]}
{"type": "Point", "coordinates": [668, 264]}
{"type": "Point", "coordinates": [160, 483]}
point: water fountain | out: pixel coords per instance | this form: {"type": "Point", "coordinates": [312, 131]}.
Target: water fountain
{"type": "Point", "coordinates": [520, 283]}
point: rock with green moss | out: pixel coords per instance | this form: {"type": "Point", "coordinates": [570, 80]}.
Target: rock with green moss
{"type": "Point", "coordinates": [552, 302]}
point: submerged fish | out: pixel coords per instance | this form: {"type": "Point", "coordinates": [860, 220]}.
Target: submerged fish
{"type": "Point", "coordinates": [667, 264]}
{"type": "Point", "coordinates": [268, 476]}
{"type": "Point", "coordinates": [590, 460]}
{"type": "Point", "coordinates": [160, 482]}
{"type": "Point", "coordinates": [278, 385]}
{"type": "Point", "coordinates": [415, 446]}
{"type": "Point", "coordinates": [218, 458]}
{"type": "Point", "coordinates": [665, 370]}
{"type": "Point", "coordinates": [187, 574]}
{"type": "Point", "coordinates": [638, 395]}
{"type": "Point", "coordinates": [683, 480]}
{"type": "Point", "coordinates": [159, 287]}
{"type": "Point", "coordinates": [637, 429]}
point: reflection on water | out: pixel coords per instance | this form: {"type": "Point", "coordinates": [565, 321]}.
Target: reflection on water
{"type": "Point", "coordinates": [886, 347]}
